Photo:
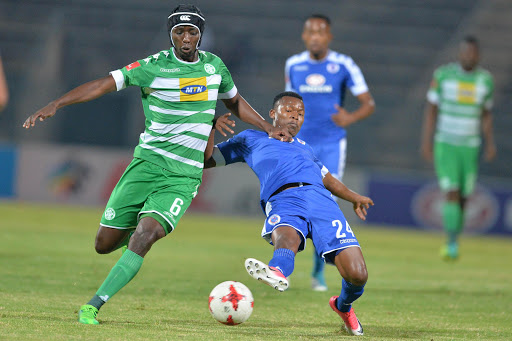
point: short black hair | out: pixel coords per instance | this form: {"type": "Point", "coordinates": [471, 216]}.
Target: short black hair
{"type": "Point", "coordinates": [285, 94]}
{"type": "Point", "coordinates": [319, 16]}
{"type": "Point", "coordinates": [471, 39]}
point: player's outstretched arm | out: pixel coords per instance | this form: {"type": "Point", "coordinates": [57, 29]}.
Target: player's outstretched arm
{"type": "Point", "coordinates": [360, 203]}
{"type": "Point", "coordinates": [83, 93]}
{"type": "Point", "coordinates": [241, 109]}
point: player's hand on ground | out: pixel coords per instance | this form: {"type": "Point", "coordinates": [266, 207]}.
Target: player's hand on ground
{"type": "Point", "coordinates": [43, 114]}
{"type": "Point", "coordinates": [280, 134]}
{"type": "Point", "coordinates": [490, 152]}
{"type": "Point", "coordinates": [361, 205]}
{"type": "Point", "coordinates": [342, 118]}
{"type": "Point", "coordinates": [223, 123]}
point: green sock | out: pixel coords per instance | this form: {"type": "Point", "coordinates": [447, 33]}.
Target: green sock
{"type": "Point", "coordinates": [452, 219]}
{"type": "Point", "coordinates": [125, 269]}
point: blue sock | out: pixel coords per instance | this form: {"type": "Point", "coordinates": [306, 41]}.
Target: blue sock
{"type": "Point", "coordinates": [349, 293]}
{"type": "Point", "coordinates": [318, 265]}
{"type": "Point", "coordinates": [284, 260]}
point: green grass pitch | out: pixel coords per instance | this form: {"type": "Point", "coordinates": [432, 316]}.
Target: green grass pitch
{"type": "Point", "coordinates": [48, 268]}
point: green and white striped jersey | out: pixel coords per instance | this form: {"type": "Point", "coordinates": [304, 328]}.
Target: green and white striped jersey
{"type": "Point", "coordinates": [461, 97]}
{"type": "Point", "coordinates": [179, 100]}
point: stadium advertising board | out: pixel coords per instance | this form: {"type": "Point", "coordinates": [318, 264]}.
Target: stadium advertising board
{"type": "Point", "coordinates": [69, 174]}
{"type": "Point", "coordinates": [416, 202]}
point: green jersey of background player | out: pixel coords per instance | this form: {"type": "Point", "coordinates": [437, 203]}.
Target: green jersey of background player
{"type": "Point", "coordinates": [459, 106]}
{"type": "Point", "coordinates": [179, 89]}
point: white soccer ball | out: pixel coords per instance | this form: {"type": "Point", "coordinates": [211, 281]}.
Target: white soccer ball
{"type": "Point", "coordinates": [231, 303]}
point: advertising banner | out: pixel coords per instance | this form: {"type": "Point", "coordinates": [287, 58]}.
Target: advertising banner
{"type": "Point", "coordinates": [417, 202]}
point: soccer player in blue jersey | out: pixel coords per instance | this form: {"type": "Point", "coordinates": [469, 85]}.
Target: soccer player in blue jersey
{"type": "Point", "coordinates": [295, 191]}
{"type": "Point", "coordinates": [321, 77]}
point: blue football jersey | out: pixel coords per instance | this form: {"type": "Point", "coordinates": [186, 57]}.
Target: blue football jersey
{"type": "Point", "coordinates": [322, 84]}
{"type": "Point", "coordinates": [275, 163]}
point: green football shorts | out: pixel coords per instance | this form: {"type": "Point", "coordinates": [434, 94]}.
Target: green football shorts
{"type": "Point", "coordinates": [146, 189]}
{"type": "Point", "coordinates": [456, 167]}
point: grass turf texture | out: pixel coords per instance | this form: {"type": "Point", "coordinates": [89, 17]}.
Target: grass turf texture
{"type": "Point", "coordinates": [49, 268]}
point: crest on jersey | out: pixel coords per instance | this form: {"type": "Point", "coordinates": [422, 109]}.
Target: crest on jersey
{"type": "Point", "coordinates": [209, 68]}
{"type": "Point", "coordinates": [333, 67]}
{"type": "Point", "coordinates": [315, 79]}
{"type": "Point", "coordinates": [110, 214]}
{"type": "Point", "coordinates": [274, 219]}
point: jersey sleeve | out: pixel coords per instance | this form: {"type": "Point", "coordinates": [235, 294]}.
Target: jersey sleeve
{"type": "Point", "coordinates": [287, 77]}
{"type": "Point", "coordinates": [433, 91]}
{"type": "Point", "coordinates": [133, 74]}
{"type": "Point", "coordinates": [234, 149]}
{"type": "Point", "coordinates": [227, 88]}
{"type": "Point", "coordinates": [356, 82]}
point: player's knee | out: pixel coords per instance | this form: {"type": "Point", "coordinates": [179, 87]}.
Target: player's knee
{"type": "Point", "coordinates": [101, 247]}
{"type": "Point", "coordinates": [286, 237]}
{"type": "Point", "coordinates": [148, 232]}
{"type": "Point", "coordinates": [360, 277]}
{"type": "Point", "coordinates": [453, 196]}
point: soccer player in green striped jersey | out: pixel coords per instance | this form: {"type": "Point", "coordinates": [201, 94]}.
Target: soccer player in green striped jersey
{"type": "Point", "coordinates": [179, 90]}
{"type": "Point", "coordinates": [458, 112]}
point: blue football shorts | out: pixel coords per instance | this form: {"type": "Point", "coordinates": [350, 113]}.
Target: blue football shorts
{"type": "Point", "coordinates": [311, 211]}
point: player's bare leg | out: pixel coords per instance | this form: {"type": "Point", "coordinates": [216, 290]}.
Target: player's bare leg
{"type": "Point", "coordinates": [148, 231]}
{"type": "Point", "coordinates": [110, 239]}
{"type": "Point", "coordinates": [352, 267]}
{"type": "Point", "coordinates": [286, 242]}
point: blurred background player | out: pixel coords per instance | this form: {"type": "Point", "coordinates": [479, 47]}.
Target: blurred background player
{"type": "Point", "coordinates": [179, 89]}
{"type": "Point", "coordinates": [321, 77]}
{"type": "Point", "coordinates": [296, 193]}
{"type": "Point", "coordinates": [4, 90]}
{"type": "Point", "coordinates": [459, 104]}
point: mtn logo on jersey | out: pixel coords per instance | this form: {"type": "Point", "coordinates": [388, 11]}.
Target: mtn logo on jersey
{"type": "Point", "coordinates": [315, 83]}
{"type": "Point", "coordinates": [193, 89]}
{"type": "Point", "coordinates": [467, 93]}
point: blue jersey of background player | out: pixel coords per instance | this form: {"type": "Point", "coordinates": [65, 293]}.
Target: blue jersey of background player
{"type": "Point", "coordinates": [296, 191]}
{"type": "Point", "coordinates": [321, 77]}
